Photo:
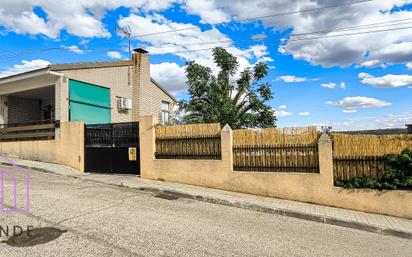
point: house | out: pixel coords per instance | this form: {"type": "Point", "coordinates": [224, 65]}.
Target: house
{"type": "Point", "coordinates": [93, 92]}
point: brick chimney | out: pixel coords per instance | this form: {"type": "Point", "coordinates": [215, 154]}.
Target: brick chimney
{"type": "Point", "coordinates": [140, 79]}
{"type": "Point", "coordinates": [409, 128]}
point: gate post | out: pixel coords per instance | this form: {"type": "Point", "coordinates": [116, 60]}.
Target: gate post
{"type": "Point", "coordinates": [147, 146]}
{"type": "Point", "coordinates": [326, 159]}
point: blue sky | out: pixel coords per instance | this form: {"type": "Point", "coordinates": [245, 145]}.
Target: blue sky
{"type": "Point", "coordinates": [358, 81]}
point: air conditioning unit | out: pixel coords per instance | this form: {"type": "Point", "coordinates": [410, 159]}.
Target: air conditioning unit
{"type": "Point", "coordinates": [124, 104]}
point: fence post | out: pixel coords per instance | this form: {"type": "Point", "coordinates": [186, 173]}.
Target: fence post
{"type": "Point", "coordinates": [326, 159]}
{"type": "Point", "coordinates": [147, 139]}
{"type": "Point", "coordinates": [227, 146]}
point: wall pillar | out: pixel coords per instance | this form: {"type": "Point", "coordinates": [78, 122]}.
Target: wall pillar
{"type": "Point", "coordinates": [147, 137]}
{"type": "Point", "coordinates": [227, 146]}
{"type": "Point", "coordinates": [326, 160]}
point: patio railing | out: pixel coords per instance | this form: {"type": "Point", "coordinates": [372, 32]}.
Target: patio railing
{"type": "Point", "coordinates": [32, 130]}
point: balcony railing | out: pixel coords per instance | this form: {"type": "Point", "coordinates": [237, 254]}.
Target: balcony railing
{"type": "Point", "coordinates": [27, 131]}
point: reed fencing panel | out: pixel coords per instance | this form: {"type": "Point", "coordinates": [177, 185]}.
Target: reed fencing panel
{"type": "Point", "coordinates": [191, 148]}
{"type": "Point", "coordinates": [346, 145]}
{"type": "Point", "coordinates": [347, 168]}
{"type": "Point", "coordinates": [191, 142]}
{"type": "Point", "coordinates": [359, 155]}
{"type": "Point", "coordinates": [276, 158]}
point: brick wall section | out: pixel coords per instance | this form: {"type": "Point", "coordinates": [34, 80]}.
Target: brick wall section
{"type": "Point", "coordinates": [23, 109]}
{"type": "Point", "coordinates": [115, 78]}
{"type": "Point", "coordinates": [148, 95]}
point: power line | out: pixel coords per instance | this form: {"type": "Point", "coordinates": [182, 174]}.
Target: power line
{"type": "Point", "coordinates": [263, 38]}
{"type": "Point", "coordinates": [257, 18]}
{"type": "Point", "coordinates": [349, 34]}
{"type": "Point", "coordinates": [358, 27]}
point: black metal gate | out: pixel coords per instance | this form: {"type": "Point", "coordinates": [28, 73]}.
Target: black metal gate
{"type": "Point", "coordinates": [112, 148]}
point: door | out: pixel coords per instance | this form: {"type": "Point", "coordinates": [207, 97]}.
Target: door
{"type": "Point", "coordinates": [89, 103]}
{"type": "Point", "coordinates": [112, 148]}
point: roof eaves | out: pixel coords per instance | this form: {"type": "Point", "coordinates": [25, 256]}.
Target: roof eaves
{"type": "Point", "coordinates": [24, 73]}
{"type": "Point", "coordinates": [163, 89]}
{"type": "Point", "coordinates": [88, 65]}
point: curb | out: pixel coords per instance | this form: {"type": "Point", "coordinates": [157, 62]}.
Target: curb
{"type": "Point", "coordinates": [248, 206]}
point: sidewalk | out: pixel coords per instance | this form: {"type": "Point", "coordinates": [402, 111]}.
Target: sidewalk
{"type": "Point", "coordinates": [335, 216]}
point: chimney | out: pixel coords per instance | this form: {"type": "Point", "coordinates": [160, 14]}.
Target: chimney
{"type": "Point", "coordinates": [141, 80]}
{"type": "Point", "coordinates": [409, 128]}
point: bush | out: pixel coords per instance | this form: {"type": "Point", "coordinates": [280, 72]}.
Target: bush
{"type": "Point", "coordinates": [398, 177]}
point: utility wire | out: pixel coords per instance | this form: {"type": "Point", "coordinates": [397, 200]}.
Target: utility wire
{"type": "Point", "coordinates": [263, 38]}
{"type": "Point", "coordinates": [313, 38]}
{"type": "Point", "coordinates": [349, 34]}
{"type": "Point", "coordinates": [353, 28]}
{"type": "Point", "coordinates": [256, 18]}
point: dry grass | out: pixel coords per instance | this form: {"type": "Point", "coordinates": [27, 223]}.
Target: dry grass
{"type": "Point", "coordinates": [191, 130]}
{"type": "Point", "coordinates": [369, 145]}
{"type": "Point", "coordinates": [275, 136]}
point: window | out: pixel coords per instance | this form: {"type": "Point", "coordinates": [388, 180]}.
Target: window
{"type": "Point", "coordinates": [165, 113]}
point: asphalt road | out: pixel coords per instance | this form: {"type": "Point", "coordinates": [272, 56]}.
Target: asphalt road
{"type": "Point", "coordinates": [104, 220]}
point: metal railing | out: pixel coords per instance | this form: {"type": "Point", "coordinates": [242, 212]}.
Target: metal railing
{"type": "Point", "coordinates": [276, 158]}
{"type": "Point", "coordinates": [31, 130]}
{"type": "Point", "coordinates": [346, 168]}
{"type": "Point", "coordinates": [190, 148]}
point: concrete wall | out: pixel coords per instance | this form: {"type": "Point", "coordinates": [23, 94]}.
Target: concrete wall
{"type": "Point", "coordinates": [68, 149]}
{"type": "Point", "coordinates": [311, 188]}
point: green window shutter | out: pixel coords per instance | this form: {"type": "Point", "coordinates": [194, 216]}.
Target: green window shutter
{"type": "Point", "coordinates": [89, 103]}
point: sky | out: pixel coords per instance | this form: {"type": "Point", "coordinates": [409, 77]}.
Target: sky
{"type": "Point", "coordinates": [347, 66]}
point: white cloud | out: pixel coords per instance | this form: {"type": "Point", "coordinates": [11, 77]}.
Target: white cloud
{"type": "Point", "coordinates": [79, 18]}
{"type": "Point", "coordinates": [180, 43]}
{"type": "Point", "coordinates": [291, 79]}
{"type": "Point", "coordinates": [266, 59]}
{"type": "Point", "coordinates": [169, 75]}
{"type": "Point", "coordinates": [304, 114]}
{"type": "Point", "coordinates": [359, 102]}
{"type": "Point", "coordinates": [365, 123]}
{"type": "Point", "coordinates": [370, 64]}
{"type": "Point", "coordinates": [25, 66]}
{"type": "Point", "coordinates": [282, 111]}
{"type": "Point", "coordinates": [342, 85]}
{"type": "Point", "coordinates": [74, 48]}
{"type": "Point", "coordinates": [409, 65]}
{"type": "Point", "coordinates": [328, 85]}
{"type": "Point", "coordinates": [386, 47]}
{"type": "Point", "coordinates": [114, 55]}
{"type": "Point", "coordinates": [387, 81]}
{"type": "Point", "coordinates": [207, 10]}
{"type": "Point", "coordinates": [259, 50]}
{"type": "Point", "coordinates": [349, 111]}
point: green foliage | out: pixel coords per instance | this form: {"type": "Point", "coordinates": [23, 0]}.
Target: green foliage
{"type": "Point", "coordinates": [241, 103]}
{"type": "Point", "coordinates": [398, 177]}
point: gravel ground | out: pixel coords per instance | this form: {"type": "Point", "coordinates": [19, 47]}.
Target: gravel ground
{"type": "Point", "coordinates": [104, 220]}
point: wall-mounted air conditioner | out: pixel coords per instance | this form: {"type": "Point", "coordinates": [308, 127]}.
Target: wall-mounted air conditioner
{"type": "Point", "coordinates": [124, 103]}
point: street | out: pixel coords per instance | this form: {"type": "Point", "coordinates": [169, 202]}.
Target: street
{"type": "Point", "coordinates": [104, 220]}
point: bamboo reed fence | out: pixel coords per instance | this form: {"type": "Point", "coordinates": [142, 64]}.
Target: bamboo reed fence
{"type": "Point", "coordinates": [345, 145]}
{"type": "Point", "coordinates": [191, 130]}
{"type": "Point", "coordinates": [276, 150]}
{"type": "Point", "coordinates": [275, 136]}
{"type": "Point", "coordinates": [195, 141]}
{"type": "Point", "coordinates": [359, 155]}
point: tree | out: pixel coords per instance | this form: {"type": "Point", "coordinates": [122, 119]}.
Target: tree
{"type": "Point", "coordinates": [240, 103]}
